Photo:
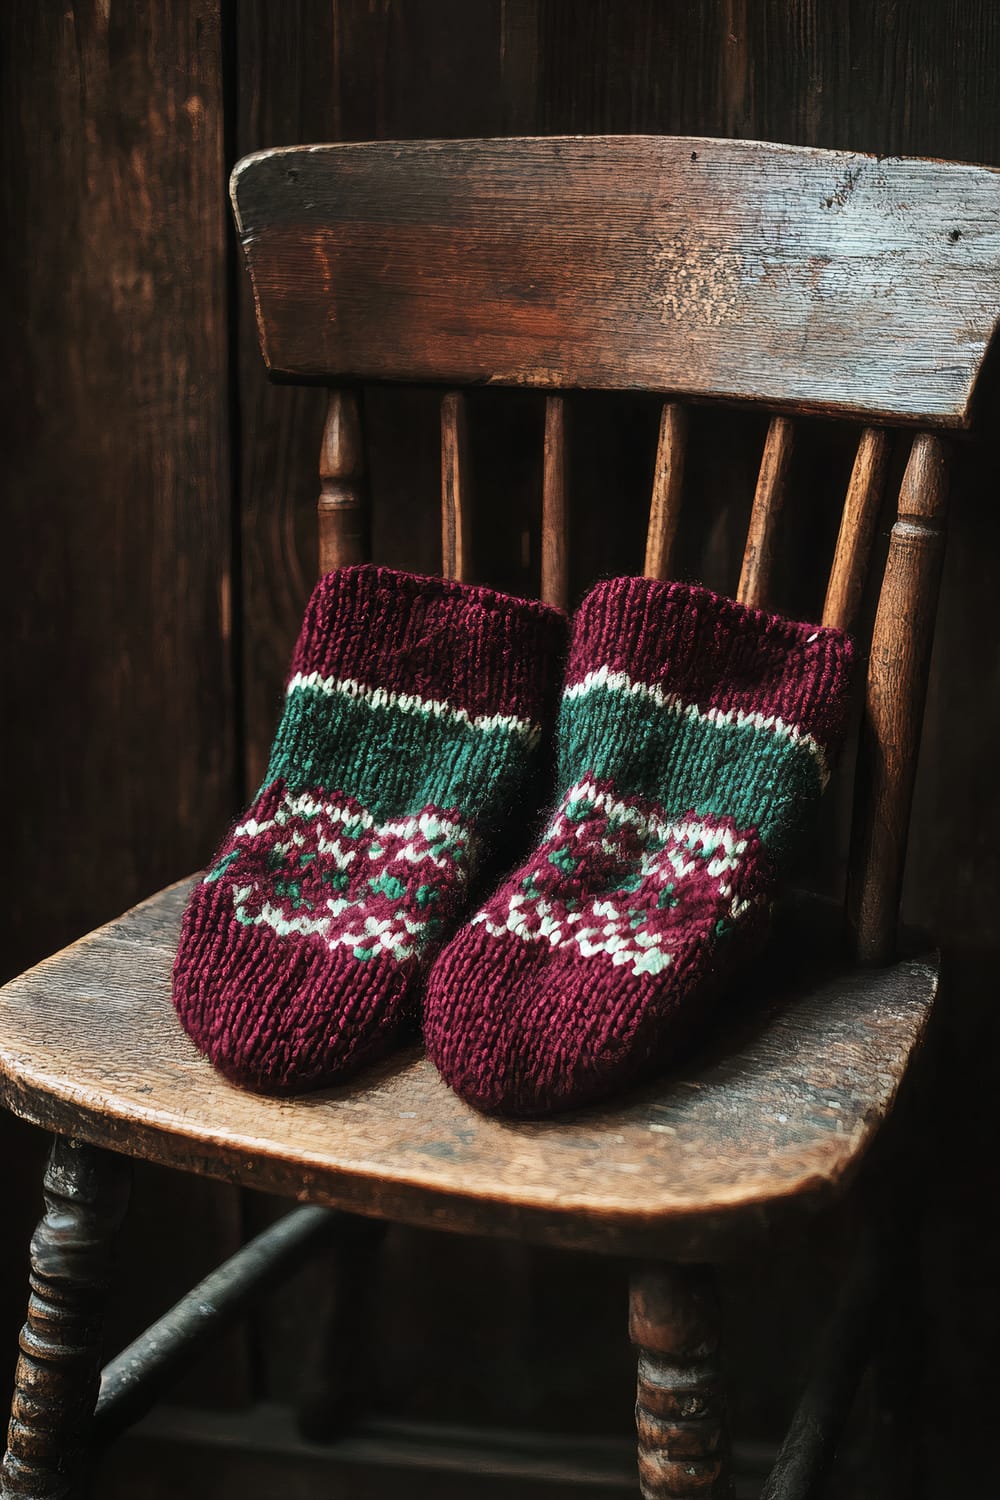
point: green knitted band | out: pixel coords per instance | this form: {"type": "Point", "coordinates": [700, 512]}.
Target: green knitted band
{"type": "Point", "coordinates": [688, 761]}
{"type": "Point", "coordinates": [405, 753]}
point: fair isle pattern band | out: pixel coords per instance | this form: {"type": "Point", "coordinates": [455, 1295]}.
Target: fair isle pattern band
{"type": "Point", "coordinates": [340, 877]}
{"type": "Point", "coordinates": [614, 878]}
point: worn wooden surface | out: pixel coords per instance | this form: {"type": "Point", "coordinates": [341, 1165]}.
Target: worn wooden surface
{"type": "Point", "coordinates": [729, 269]}
{"type": "Point", "coordinates": [778, 1118]}
{"type": "Point", "coordinates": [48, 1453]}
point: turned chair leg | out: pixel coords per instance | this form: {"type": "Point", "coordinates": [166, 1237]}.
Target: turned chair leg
{"type": "Point", "coordinates": [58, 1372]}
{"type": "Point", "coordinates": [681, 1405]}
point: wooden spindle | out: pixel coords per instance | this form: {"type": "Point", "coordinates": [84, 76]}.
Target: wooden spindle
{"type": "Point", "coordinates": [342, 509]}
{"type": "Point", "coordinates": [58, 1373]}
{"type": "Point", "coordinates": [668, 480]}
{"type": "Point", "coordinates": [681, 1405]}
{"type": "Point", "coordinates": [455, 562]}
{"type": "Point", "coordinates": [555, 553]}
{"type": "Point", "coordinates": [768, 500]}
{"type": "Point", "coordinates": [857, 529]}
{"type": "Point", "coordinates": [894, 702]}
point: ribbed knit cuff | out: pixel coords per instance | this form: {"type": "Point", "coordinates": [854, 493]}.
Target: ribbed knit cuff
{"type": "Point", "coordinates": [482, 651]}
{"type": "Point", "coordinates": [714, 653]}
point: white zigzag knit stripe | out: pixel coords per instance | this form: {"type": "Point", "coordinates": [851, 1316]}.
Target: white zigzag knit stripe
{"type": "Point", "coordinates": [620, 682]}
{"type": "Point", "coordinates": [411, 703]}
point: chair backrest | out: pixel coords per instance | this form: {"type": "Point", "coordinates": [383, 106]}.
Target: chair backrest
{"type": "Point", "coordinates": [805, 281]}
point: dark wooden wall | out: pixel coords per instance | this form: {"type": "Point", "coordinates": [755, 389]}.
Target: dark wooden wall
{"type": "Point", "coordinates": [159, 547]}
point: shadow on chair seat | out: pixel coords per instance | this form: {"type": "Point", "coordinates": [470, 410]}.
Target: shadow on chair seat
{"type": "Point", "coordinates": [772, 1113]}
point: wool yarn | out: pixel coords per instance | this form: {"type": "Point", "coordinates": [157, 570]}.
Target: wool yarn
{"type": "Point", "coordinates": [694, 736]}
{"type": "Point", "coordinates": [412, 712]}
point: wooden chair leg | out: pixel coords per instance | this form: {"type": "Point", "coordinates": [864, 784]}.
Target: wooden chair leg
{"type": "Point", "coordinates": [58, 1372]}
{"type": "Point", "coordinates": [681, 1405]}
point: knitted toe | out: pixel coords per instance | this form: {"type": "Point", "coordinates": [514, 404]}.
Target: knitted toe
{"type": "Point", "coordinates": [281, 1016]}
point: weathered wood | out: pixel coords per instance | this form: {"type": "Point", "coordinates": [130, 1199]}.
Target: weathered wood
{"type": "Point", "coordinates": [857, 529]}
{"type": "Point", "coordinates": [342, 511]}
{"type": "Point", "coordinates": [680, 1411]}
{"type": "Point", "coordinates": [555, 519]}
{"type": "Point", "coordinates": [630, 262]}
{"type": "Point", "coordinates": [136, 1377]}
{"type": "Point", "coordinates": [55, 1387]}
{"type": "Point", "coordinates": [894, 702]}
{"type": "Point", "coordinates": [455, 504]}
{"type": "Point", "coordinates": [768, 502]}
{"type": "Point", "coordinates": [778, 1115]}
{"type": "Point", "coordinates": [668, 484]}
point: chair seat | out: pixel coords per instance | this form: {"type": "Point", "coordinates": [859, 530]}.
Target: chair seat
{"type": "Point", "coordinates": [775, 1112]}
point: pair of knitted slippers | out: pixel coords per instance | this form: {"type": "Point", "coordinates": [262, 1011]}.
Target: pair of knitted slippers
{"type": "Point", "coordinates": [692, 736]}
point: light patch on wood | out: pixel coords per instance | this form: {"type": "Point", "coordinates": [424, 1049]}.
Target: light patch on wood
{"type": "Point", "coordinates": [694, 285]}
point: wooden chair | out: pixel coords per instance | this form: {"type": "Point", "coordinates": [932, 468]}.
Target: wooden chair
{"type": "Point", "coordinates": [805, 281]}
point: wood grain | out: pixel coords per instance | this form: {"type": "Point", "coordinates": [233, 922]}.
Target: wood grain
{"type": "Point", "coordinates": [119, 604]}
{"type": "Point", "coordinates": [857, 529]}
{"type": "Point", "coordinates": [738, 270]}
{"type": "Point", "coordinates": [455, 484]}
{"type": "Point", "coordinates": [668, 485]}
{"type": "Point", "coordinates": [894, 703]}
{"type": "Point", "coordinates": [779, 1116]}
{"type": "Point", "coordinates": [555, 513]}
{"type": "Point", "coordinates": [342, 508]}
{"type": "Point", "coordinates": [768, 503]}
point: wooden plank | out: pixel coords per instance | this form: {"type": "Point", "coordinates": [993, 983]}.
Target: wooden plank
{"type": "Point", "coordinates": [768, 502]}
{"type": "Point", "coordinates": [740, 270]}
{"type": "Point", "coordinates": [773, 1116]}
{"type": "Point", "coordinates": [857, 529]}
{"type": "Point", "coordinates": [894, 703]}
{"type": "Point", "coordinates": [555, 540]}
{"type": "Point", "coordinates": [116, 573]}
{"type": "Point", "coordinates": [455, 517]}
{"type": "Point", "coordinates": [668, 484]}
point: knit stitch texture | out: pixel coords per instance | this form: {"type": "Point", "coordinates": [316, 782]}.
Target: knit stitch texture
{"type": "Point", "coordinates": [411, 714]}
{"type": "Point", "coordinates": [694, 734]}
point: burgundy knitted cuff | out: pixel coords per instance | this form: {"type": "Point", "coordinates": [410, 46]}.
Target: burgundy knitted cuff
{"type": "Point", "coordinates": [491, 653]}
{"type": "Point", "coordinates": [712, 652]}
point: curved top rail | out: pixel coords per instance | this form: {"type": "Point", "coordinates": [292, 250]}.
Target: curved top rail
{"type": "Point", "coordinates": [814, 280]}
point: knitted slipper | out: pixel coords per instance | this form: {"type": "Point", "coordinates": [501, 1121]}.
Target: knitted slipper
{"type": "Point", "coordinates": [694, 736]}
{"type": "Point", "coordinates": [412, 711]}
